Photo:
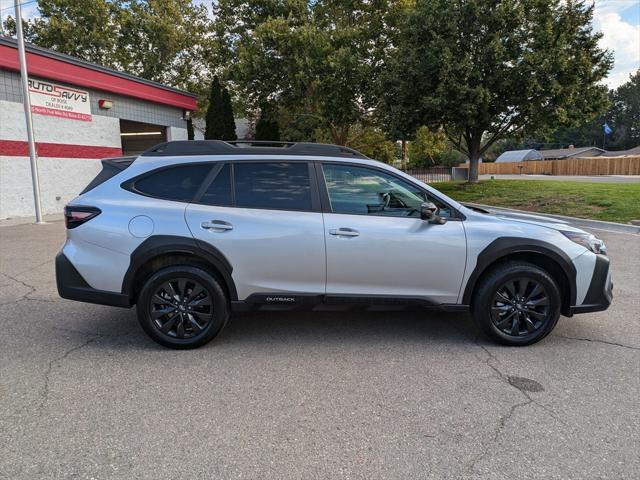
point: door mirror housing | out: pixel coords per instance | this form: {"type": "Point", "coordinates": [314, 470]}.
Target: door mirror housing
{"type": "Point", "coordinates": [429, 212]}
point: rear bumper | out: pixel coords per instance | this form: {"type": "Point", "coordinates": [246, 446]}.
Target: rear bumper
{"type": "Point", "coordinates": [600, 292]}
{"type": "Point", "coordinates": [72, 286]}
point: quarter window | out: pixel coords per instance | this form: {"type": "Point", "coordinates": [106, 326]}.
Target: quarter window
{"type": "Point", "coordinates": [280, 186]}
{"type": "Point", "coordinates": [176, 183]}
{"type": "Point", "coordinates": [364, 191]}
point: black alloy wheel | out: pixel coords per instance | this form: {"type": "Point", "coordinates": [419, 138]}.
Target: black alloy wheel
{"type": "Point", "coordinates": [181, 308]}
{"type": "Point", "coordinates": [520, 307]}
{"type": "Point", "coordinates": [516, 303]}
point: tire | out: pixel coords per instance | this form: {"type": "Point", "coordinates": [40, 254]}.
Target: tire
{"type": "Point", "coordinates": [182, 306]}
{"type": "Point", "coordinates": [516, 304]}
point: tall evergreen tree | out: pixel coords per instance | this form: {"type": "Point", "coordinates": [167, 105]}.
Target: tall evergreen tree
{"type": "Point", "coordinates": [267, 127]}
{"type": "Point", "coordinates": [190, 132]}
{"type": "Point", "coordinates": [215, 113]}
{"type": "Point", "coordinates": [229, 123]}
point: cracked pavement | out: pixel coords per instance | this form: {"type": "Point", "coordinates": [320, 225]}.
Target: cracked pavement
{"type": "Point", "coordinates": [85, 395]}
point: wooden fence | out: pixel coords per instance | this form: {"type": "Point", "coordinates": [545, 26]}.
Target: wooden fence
{"type": "Point", "coordinates": [570, 166]}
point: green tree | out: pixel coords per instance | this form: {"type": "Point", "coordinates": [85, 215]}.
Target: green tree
{"type": "Point", "coordinates": [267, 127]}
{"type": "Point", "coordinates": [215, 129]}
{"type": "Point", "coordinates": [317, 60]}
{"type": "Point", "coordinates": [427, 147]}
{"type": "Point", "coordinates": [486, 69]}
{"type": "Point", "coordinates": [167, 41]}
{"type": "Point", "coordinates": [625, 113]}
{"type": "Point", "coordinates": [373, 143]}
{"type": "Point", "coordinates": [81, 29]}
{"type": "Point", "coordinates": [622, 115]}
{"type": "Point", "coordinates": [229, 123]}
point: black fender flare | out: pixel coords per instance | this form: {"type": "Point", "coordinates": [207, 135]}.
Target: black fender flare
{"type": "Point", "coordinates": [157, 245]}
{"type": "Point", "coordinates": [503, 246]}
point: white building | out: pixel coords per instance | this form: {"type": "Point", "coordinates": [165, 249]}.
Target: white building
{"type": "Point", "coordinates": [82, 113]}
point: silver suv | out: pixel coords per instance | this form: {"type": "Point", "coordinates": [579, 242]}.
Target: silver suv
{"type": "Point", "coordinates": [191, 231]}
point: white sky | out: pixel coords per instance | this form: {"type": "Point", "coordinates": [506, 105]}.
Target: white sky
{"type": "Point", "coordinates": [618, 20]}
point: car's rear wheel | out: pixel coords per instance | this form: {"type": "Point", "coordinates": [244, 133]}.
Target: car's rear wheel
{"type": "Point", "coordinates": [517, 303]}
{"type": "Point", "coordinates": [182, 306]}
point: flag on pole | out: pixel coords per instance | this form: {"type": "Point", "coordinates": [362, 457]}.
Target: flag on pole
{"type": "Point", "coordinates": [607, 129]}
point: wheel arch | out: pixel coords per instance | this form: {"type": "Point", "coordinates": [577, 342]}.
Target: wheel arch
{"type": "Point", "coordinates": [545, 255]}
{"type": "Point", "coordinates": [164, 250]}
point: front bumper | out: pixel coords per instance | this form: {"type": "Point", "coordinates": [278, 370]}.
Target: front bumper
{"type": "Point", "coordinates": [600, 292]}
{"type": "Point", "coordinates": [72, 286]}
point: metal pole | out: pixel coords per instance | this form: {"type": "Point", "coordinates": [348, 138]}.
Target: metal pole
{"type": "Point", "coordinates": [27, 113]}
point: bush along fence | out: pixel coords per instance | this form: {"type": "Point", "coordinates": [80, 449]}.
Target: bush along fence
{"type": "Point", "coordinates": [571, 166]}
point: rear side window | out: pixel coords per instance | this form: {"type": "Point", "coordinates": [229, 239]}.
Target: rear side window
{"type": "Point", "coordinates": [279, 186]}
{"type": "Point", "coordinates": [176, 183]}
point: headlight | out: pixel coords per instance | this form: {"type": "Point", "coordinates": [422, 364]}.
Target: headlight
{"type": "Point", "coordinates": [587, 240]}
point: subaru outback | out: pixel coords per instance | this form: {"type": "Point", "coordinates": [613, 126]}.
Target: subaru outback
{"type": "Point", "coordinates": [191, 231]}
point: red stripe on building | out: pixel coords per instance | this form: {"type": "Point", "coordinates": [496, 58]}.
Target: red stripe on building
{"type": "Point", "coordinates": [17, 148]}
{"type": "Point", "coordinates": [53, 69]}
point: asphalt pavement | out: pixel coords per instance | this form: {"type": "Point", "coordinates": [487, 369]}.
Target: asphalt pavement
{"type": "Point", "coordinates": [84, 394]}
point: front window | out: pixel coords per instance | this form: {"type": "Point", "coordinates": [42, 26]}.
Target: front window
{"type": "Point", "coordinates": [364, 191]}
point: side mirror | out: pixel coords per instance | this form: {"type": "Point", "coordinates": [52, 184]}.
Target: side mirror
{"type": "Point", "coordinates": [429, 212]}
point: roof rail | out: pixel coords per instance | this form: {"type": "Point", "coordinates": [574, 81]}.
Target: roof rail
{"type": "Point", "coordinates": [250, 147]}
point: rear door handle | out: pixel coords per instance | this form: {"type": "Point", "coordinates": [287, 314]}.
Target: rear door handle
{"type": "Point", "coordinates": [216, 225]}
{"type": "Point", "coordinates": [344, 232]}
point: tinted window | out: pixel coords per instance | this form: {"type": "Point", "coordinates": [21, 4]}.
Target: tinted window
{"type": "Point", "coordinates": [177, 183]}
{"type": "Point", "coordinates": [219, 192]}
{"type": "Point", "coordinates": [283, 186]}
{"type": "Point", "coordinates": [364, 191]}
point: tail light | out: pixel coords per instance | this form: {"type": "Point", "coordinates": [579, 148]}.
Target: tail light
{"type": "Point", "coordinates": [75, 216]}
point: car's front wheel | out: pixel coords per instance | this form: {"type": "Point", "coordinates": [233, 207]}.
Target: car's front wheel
{"type": "Point", "coordinates": [517, 303]}
{"type": "Point", "coordinates": [182, 306]}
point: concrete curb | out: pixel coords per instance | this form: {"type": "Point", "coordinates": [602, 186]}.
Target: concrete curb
{"type": "Point", "coordinates": [582, 222]}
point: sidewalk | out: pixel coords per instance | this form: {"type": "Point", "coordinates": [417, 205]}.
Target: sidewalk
{"type": "Point", "coordinates": [572, 178]}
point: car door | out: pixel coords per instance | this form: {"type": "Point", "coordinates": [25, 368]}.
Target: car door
{"type": "Point", "coordinates": [377, 245]}
{"type": "Point", "coordinates": [265, 218]}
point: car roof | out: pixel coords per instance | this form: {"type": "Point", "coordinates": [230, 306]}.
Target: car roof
{"type": "Point", "coordinates": [249, 147]}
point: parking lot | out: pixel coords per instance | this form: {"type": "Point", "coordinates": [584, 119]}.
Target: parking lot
{"type": "Point", "coordinates": [85, 394]}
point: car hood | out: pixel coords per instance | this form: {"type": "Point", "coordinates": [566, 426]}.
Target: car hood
{"type": "Point", "coordinates": [540, 220]}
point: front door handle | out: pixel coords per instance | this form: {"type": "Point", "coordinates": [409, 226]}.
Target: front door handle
{"type": "Point", "coordinates": [344, 232]}
{"type": "Point", "coordinates": [216, 225]}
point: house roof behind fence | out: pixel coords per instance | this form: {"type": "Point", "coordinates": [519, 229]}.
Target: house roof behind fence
{"type": "Point", "coordinates": [619, 153]}
{"type": "Point", "coordinates": [571, 152]}
{"type": "Point", "coordinates": [519, 156]}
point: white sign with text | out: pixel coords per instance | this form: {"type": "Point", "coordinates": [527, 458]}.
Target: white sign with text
{"type": "Point", "coordinates": [58, 101]}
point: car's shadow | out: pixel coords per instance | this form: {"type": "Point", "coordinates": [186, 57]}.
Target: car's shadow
{"type": "Point", "coordinates": [302, 329]}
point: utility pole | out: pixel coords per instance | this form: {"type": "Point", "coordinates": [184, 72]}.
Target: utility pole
{"type": "Point", "coordinates": [33, 156]}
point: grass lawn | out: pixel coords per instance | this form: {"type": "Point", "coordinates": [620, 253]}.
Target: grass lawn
{"type": "Point", "coordinates": [613, 202]}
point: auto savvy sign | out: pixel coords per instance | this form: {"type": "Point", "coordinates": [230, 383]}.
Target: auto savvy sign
{"type": "Point", "coordinates": [58, 101]}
